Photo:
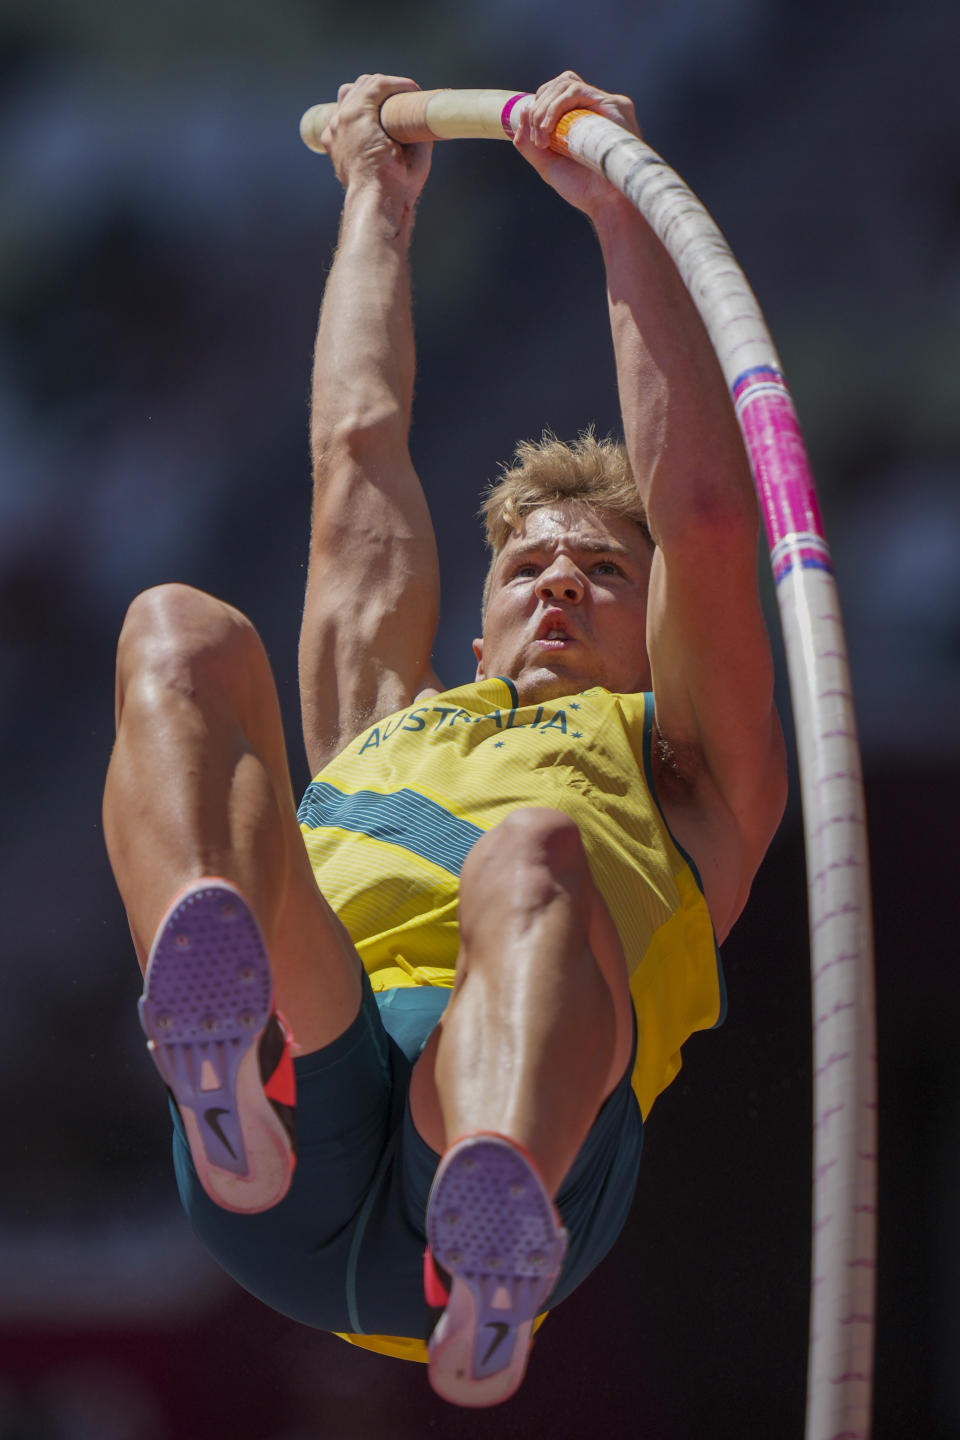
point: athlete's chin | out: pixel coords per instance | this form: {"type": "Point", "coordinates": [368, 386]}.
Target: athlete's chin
{"type": "Point", "coordinates": [534, 686]}
{"type": "Point", "coordinates": [539, 683]}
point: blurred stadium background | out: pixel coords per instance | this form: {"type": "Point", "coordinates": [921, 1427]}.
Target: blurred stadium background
{"type": "Point", "coordinates": [164, 238]}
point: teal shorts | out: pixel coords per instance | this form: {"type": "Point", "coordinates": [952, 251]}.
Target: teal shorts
{"type": "Point", "coordinates": [344, 1249]}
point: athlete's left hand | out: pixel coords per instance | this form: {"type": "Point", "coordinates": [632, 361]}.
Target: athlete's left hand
{"type": "Point", "coordinates": [578, 185]}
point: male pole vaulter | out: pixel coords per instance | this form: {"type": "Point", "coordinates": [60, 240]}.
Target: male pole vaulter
{"type": "Point", "coordinates": [494, 925]}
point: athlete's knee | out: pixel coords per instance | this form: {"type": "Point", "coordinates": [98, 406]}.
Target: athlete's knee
{"type": "Point", "coordinates": [173, 632]}
{"type": "Point", "coordinates": [527, 859]}
{"type": "Point", "coordinates": [174, 625]}
{"type": "Point", "coordinates": [536, 835]}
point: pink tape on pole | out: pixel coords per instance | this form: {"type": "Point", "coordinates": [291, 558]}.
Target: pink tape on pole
{"type": "Point", "coordinates": [507, 111]}
{"type": "Point", "coordinates": [774, 441]}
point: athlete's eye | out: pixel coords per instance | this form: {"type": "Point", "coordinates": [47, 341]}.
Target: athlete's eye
{"type": "Point", "coordinates": [605, 567]}
{"type": "Point", "coordinates": [524, 571]}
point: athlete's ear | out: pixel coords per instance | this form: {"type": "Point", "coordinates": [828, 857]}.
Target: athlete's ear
{"type": "Point", "coordinates": [478, 652]}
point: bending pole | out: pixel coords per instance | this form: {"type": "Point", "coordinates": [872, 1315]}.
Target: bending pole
{"type": "Point", "coordinates": [839, 1378]}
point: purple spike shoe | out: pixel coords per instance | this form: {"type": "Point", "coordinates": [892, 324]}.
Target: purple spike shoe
{"type": "Point", "coordinates": [224, 1053]}
{"type": "Point", "coordinates": [492, 1227]}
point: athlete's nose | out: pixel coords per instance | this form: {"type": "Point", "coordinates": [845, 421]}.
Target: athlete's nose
{"type": "Point", "coordinates": [561, 580]}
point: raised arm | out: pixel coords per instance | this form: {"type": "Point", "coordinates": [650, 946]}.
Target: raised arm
{"type": "Point", "coordinates": [373, 583]}
{"type": "Point", "coordinates": [719, 759]}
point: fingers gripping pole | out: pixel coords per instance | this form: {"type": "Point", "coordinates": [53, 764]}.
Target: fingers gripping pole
{"type": "Point", "coordinates": [839, 1382]}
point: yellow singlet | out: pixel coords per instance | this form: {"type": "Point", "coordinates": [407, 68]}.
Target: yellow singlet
{"type": "Point", "coordinates": [389, 822]}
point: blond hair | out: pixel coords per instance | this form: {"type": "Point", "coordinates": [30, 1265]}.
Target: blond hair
{"type": "Point", "coordinates": [548, 472]}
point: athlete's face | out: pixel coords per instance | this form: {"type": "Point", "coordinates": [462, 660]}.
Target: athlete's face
{"type": "Point", "coordinates": [568, 605]}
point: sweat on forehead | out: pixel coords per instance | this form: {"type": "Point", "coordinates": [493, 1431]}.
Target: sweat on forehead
{"type": "Point", "coordinates": [566, 517]}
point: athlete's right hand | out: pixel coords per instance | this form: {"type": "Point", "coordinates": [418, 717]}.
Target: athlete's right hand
{"type": "Point", "coordinates": [361, 150]}
{"type": "Point", "coordinates": [578, 185]}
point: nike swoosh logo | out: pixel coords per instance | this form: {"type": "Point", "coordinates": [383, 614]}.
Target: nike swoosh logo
{"type": "Point", "coordinates": [501, 1331]}
{"type": "Point", "coordinates": [212, 1117]}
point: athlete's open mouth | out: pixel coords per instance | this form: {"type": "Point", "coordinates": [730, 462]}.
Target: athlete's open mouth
{"type": "Point", "coordinates": [553, 629]}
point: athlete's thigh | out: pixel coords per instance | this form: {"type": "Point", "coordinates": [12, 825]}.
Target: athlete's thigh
{"type": "Point", "coordinates": [608, 954]}
{"type": "Point", "coordinates": [316, 968]}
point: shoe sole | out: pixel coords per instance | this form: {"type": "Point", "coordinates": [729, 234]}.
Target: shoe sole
{"type": "Point", "coordinates": [493, 1227]}
{"type": "Point", "coordinates": [206, 1000]}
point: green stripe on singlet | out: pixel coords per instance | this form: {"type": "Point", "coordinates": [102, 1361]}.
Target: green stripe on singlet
{"type": "Point", "coordinates": [401, 817]}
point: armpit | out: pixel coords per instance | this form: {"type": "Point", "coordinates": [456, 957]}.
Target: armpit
{"type": "Point", "coordinates": [676, 767]}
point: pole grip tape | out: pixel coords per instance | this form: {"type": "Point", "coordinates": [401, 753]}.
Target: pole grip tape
{"type": "Point", "coordinates": [404, 116]}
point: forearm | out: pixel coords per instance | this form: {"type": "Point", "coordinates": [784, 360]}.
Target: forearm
{"type": "Point", "coordinates": [678, 420]}
{"type": "Point", "coordinates": [364, 359]}
{"type": "Point", "coordinates": [679, 424]}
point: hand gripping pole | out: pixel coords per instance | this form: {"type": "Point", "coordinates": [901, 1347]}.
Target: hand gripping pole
{"type": "Point", "coordinates": [839, 1380]}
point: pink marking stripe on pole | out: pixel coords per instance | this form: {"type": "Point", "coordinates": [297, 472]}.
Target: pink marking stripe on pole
{"type": "Point", "coordinates": [507, 111]}
{"type": "Point", "coordinates": [781, 470]}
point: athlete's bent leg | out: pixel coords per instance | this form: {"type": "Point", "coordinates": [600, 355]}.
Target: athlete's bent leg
{"type": "Point", "coordinates": [538, 1033]}
{"type": "Point", "coordinates": [198, 785]}
{"type": "Point", "coordinates": [539, 1028]}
